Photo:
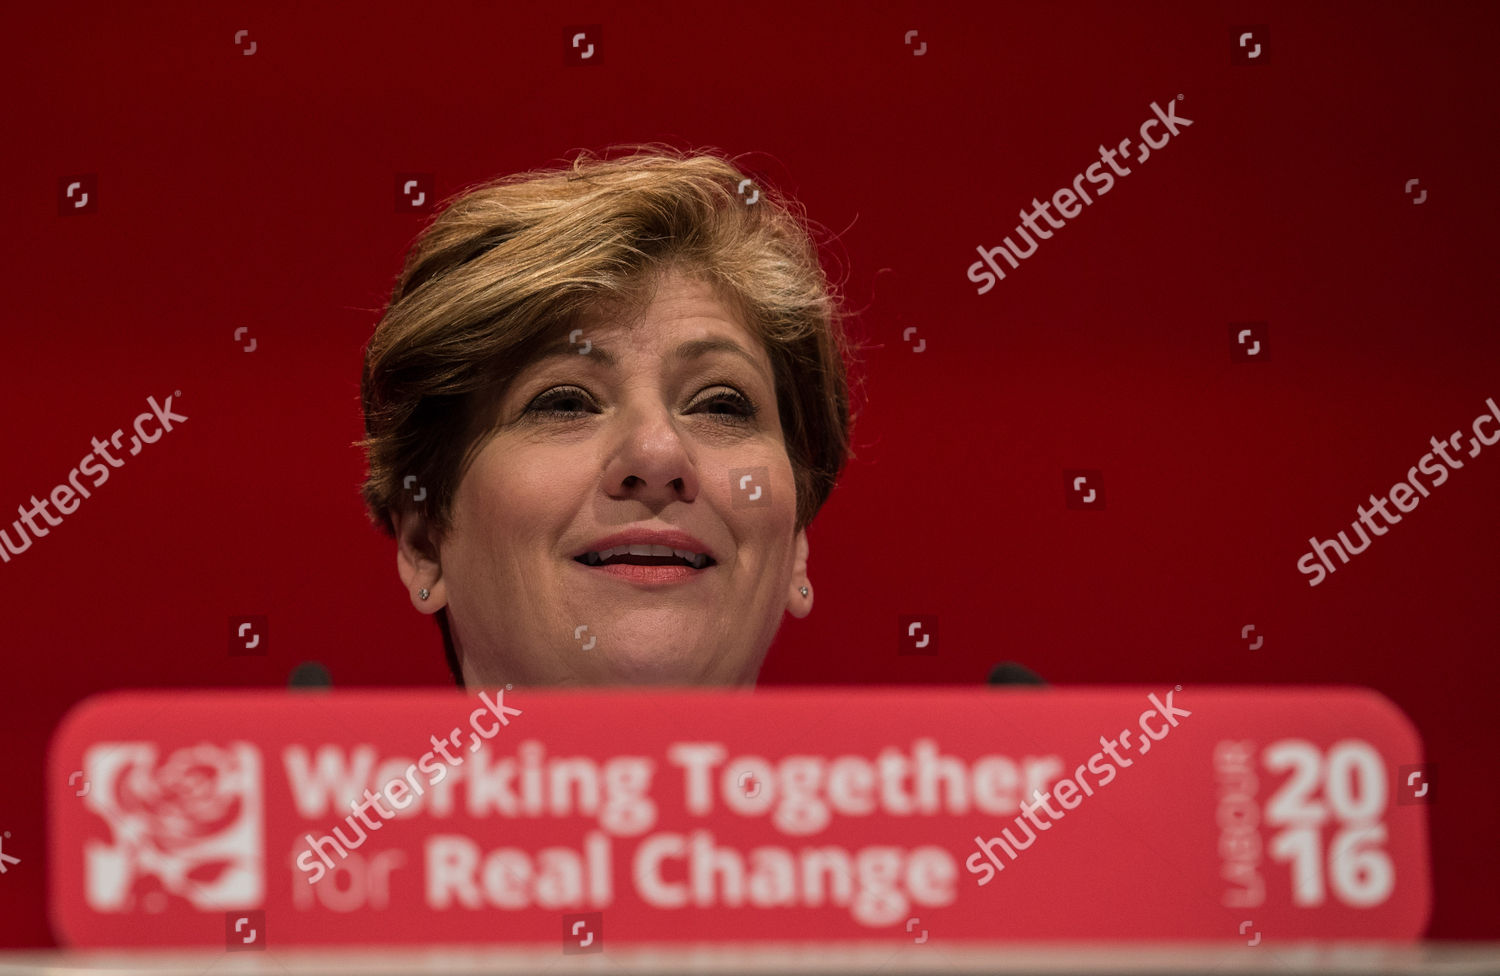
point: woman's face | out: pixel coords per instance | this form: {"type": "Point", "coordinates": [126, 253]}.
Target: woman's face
{"type": "Point", "coordinates": [635, 428]}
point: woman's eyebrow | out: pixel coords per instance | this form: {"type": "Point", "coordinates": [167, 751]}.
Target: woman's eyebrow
{"type": "Point", "coordinates": [692, 349]}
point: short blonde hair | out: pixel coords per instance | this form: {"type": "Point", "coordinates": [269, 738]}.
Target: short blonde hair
{"type": "Point", "coordinates": [505, 265]}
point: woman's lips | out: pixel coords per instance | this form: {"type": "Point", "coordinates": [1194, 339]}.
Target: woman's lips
{"type": "Point", "coordinates": [633, 573]}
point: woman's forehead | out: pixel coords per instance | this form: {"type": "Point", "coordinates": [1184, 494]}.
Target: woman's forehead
{"type": "Point", "coordinates": [667, 297]}
{"type": "Point", "coordinates": [685, 319]}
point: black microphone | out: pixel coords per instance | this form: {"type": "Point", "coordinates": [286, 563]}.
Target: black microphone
{"type": "Point", "coordinates": [1011, 673]}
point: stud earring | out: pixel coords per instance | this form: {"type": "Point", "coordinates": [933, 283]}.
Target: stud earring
{"type": "Point", "coordinates": [804, 591]}
{"type": "Point", "coordinates": [422, 594]}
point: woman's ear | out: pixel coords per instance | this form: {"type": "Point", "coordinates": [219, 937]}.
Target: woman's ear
{"type": "Point", "coordinates": [798, 605]}
{"type": "Point", "coordinates": [417, 560]}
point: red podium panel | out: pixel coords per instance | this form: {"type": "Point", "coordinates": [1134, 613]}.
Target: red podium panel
{"type": "Point", "coordinates": [529, 816]}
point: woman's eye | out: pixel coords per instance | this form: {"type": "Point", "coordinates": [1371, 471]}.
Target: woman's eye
{"type": "Point", "coordinates": [568, 401]}
{"type": "Point", "coordinates": [548, 403]}
{"type": "Point", "coordinates": [740, 404]}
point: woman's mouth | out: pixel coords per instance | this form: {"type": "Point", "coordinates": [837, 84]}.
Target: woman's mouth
{"type": "Point", "coordinates": [638, 554]}
{"type": "Point", "coordinates": [656, 564]}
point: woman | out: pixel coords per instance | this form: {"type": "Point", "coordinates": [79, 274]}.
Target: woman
{"type": "Point", "coordinates": [602, 408]}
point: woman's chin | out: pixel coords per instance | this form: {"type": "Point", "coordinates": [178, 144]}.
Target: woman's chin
{"type": "Point", "coordinates": [655, 667]}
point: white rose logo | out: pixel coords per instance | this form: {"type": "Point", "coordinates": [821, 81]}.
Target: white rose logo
{"type": "Point", "coordinates": [189, 827]}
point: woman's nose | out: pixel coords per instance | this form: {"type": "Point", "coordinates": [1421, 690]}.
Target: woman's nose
{"type": "Point", "coordinates": [652, 454]}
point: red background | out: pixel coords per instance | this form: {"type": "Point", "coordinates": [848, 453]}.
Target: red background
{"type": "Point", "coordinates": [257, 191]}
